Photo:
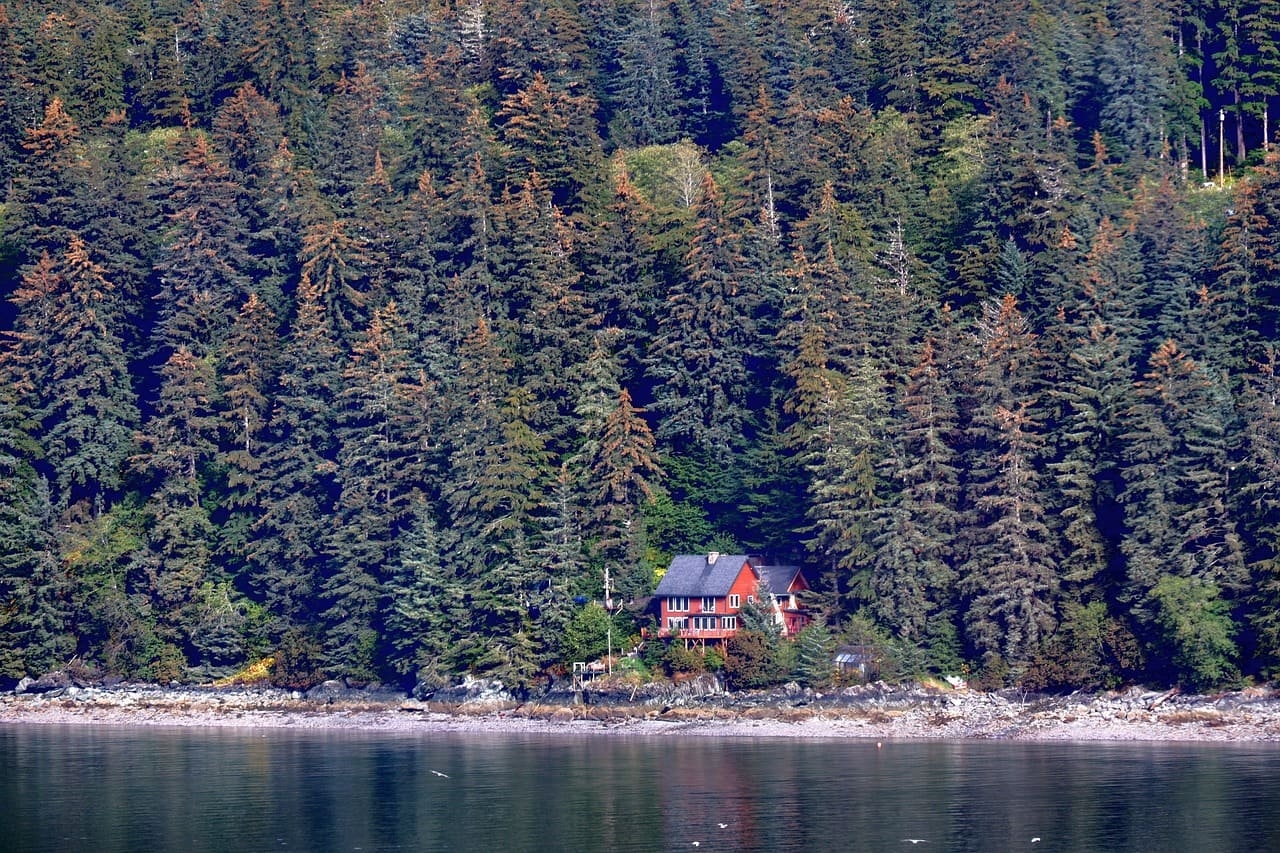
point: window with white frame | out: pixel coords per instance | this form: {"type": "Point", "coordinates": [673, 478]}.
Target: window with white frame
{"type": "Point", "coordinates": [677, 623]}
{"type": "Point", "coordinates": [678, 603]}
{"type": "Point", "coordinates": [708, 605]}
{"type": "Point", "coordinates": [704, 623]}
{"type": "Point", "coordinates": [735, 601]}
{"type": "Point", "coordinates": [729, 623]}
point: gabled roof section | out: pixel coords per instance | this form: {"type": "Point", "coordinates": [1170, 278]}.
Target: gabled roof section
{"type": "Point", "coordinates": [778, 579]}
{"type": "Point", "coordinates": [697, 575]}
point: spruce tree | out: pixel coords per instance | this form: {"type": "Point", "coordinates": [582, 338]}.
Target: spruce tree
{"type": "Point", "coordinates": [207, 268]}
{"type": "Point", "coordinates": [48, 191]}
{"type": "Point", "coordinates": [286, 548]}
{"type": "Point", "coordinates": [699, 355]}
{"type": "Point", "coordinates": [379, 471]}
{"type": "Point", "coordinates": [1176, 480]}
{"type": "Point", "coordinates": [35, 618]}
{"type": "Point", "coordinates": [176, 447]}
{"type": "Point", "coordinates": [1009, 572]}
{"type": "Point", "coordinates": [424, 604]}
{"type": "Point", "coordinates": [89, 409]}
{"type": "Point", "coordinates": [623, 472]}
{"type": "Point", "coordinates": [915, 550]}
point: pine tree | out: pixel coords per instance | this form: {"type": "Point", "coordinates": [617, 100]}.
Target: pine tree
{"type": "Point", "coordinates": [29, 343]}
{"type": "Point", "coordinates": [16, 106]}
{"type": "Point", "coordinates": [815, 665]}
{"type": "Point", "coordinates": [549, 131]}
{"type": "Point", "coordinates": [1176, 488]}
{"type": "Point", "coordinates": [471, 236]}
{"type": "Point", "coordinates": [434, 113]}
{"type": "Point", "coordinates": [1137, 69]}
{"type": "Point", "coordinates": [1009, 572]}
{"type": "Point", "coordinates": [49, 188]}
{"type": "Point", "coordinates": [1258, 479]}
{"type": "Point", "coordinates": [181, 437]}
{"type": "Point", "coordinates": [914, 556]}
{"type": "Point", "coordinates": [643, 90]}
{"type": "Point", "coordinates": [35, 616]}
{"type": "Point", "coordinates": [563, 571]}
{"type": "Point", "coordinates": [620, 271]}
{"type": "Point", "coordinates": [700, 351]}
{"type": "Point", "coordinates": [1241, 302]}
{"type": "Point", "coordinates": [845, 431]}
{"type": "Point", "coordinates": [207, 268]}
{"type": "Point", "coordinates": [624, 470]}
{"type": "Point", "coordinates": [379, 469]}
{"type": "Point", "coordinates": [89, 410]}
{"type": "Point", "coordinates": [248, 129]}
{"type": "Point", "coordinates": [547, 324]}
{"type": "Point", "coordinates": [285, 550]}
{"type": "Point", "coordinates": [1260, 22]}
{"type": "Point", "coordinates": [176, 447]}
{"type": "Point", "coordinates": [531, 38]}
{"type": "Point", "coordinates": [496, 484]}
{"type": "Point", "coordinates": [357, 114]}
{"type": "Point", "coordinates": [1089, 392]}
{"type": "Point", "coordinates": [248, 372]}
{"type": "Point", "coordinates": [276, 55]}
{"type": "Point", "coordinates": [424, 603]}
{"type": "Point", "coordinates": [336, 261]}
{"type": "Point", "coordinates": [160, 98]}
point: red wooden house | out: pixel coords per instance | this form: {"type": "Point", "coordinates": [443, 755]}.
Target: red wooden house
{"type": "Point", "coordinates": [701, 596]}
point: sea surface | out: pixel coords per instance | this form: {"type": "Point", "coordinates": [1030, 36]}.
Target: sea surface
{"type": "Point", "coordinates": [175, 789]}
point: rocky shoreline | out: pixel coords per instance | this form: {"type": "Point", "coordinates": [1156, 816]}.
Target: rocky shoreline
{"type": "Point", "coordinates": [699, 708]}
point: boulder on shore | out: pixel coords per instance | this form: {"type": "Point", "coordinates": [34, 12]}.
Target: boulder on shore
{"type": "Point", "coordinates": [338, 690]}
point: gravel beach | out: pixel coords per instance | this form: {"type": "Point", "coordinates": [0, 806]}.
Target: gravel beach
{"type": "Point", "coordinates": [886, 714]}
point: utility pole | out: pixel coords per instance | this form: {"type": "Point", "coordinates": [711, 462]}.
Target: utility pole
{"type": "Point", "coordinates": [608, 608]}
{"type": "Point", "coordinates": [1222, 146]}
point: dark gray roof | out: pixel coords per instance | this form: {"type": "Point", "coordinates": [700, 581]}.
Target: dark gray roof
{"type": "Point", "coordinates": [693, 575]}
{"type": "Point", "coordinates": [777, 579]}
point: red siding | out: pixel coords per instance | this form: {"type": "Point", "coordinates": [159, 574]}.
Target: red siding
{"type": "Point", "coordinates": [743, 587]}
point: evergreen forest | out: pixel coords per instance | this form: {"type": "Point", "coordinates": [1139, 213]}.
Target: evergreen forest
{"type": "Point", "coordinates": [370, 336]}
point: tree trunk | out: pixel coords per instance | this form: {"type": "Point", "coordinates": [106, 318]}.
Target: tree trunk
{"type": "Point", "coordinates": [1240, 152]}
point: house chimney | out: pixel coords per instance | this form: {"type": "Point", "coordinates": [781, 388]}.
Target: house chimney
{"type": "Point", "coordinates": [712, 557]}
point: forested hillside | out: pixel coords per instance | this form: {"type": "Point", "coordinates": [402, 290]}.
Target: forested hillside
{"type": "Point", "coordinates": [369, 335]}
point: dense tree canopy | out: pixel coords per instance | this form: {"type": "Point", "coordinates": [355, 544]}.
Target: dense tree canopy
{"type": "Point", "coordinates": [378, 335]}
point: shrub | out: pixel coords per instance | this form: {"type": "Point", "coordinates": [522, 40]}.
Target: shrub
{"type": "Point", "coordinates": [680, 659]}
{"type": "Point", "coordinates": [751, 661]}
{"type": "Point", "coordinates": [297, 665]}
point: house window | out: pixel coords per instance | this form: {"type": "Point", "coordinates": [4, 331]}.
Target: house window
{"type": "Point", "coordinates": [678, 603]}
{"type": "Point", "coordinates": [704, 623]}
{"type": "Point", "coordinates": [735, 601]}
{"type": "Point", "coordinates": [708, 605]}
{"type": "Point", "coordinates": [729, 623]}
{"type": "Point", "coordinates": [677, 623]}
{"type": "Point", "coordinates": [751, 599]}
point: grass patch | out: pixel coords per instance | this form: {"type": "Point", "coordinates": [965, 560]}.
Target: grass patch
{"type": "Point", "coordinates": [258, 672]}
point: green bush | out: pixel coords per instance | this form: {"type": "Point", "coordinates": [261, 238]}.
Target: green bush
{"type": "Point", "coordinates": [298, 659]}
{"type": "Point", "coordinates": [679, 659]}
{"type": "Point", "coordinates": [586, 634]}
{"type": "Point", "coordinates": [751, 661]}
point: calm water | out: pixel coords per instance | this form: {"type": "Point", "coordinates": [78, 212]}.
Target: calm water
{"type": "Point", "coordinates": [106, 789]}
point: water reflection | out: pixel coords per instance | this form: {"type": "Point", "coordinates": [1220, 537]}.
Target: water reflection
{"type": "Point", "coordinates": [123, 790]}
